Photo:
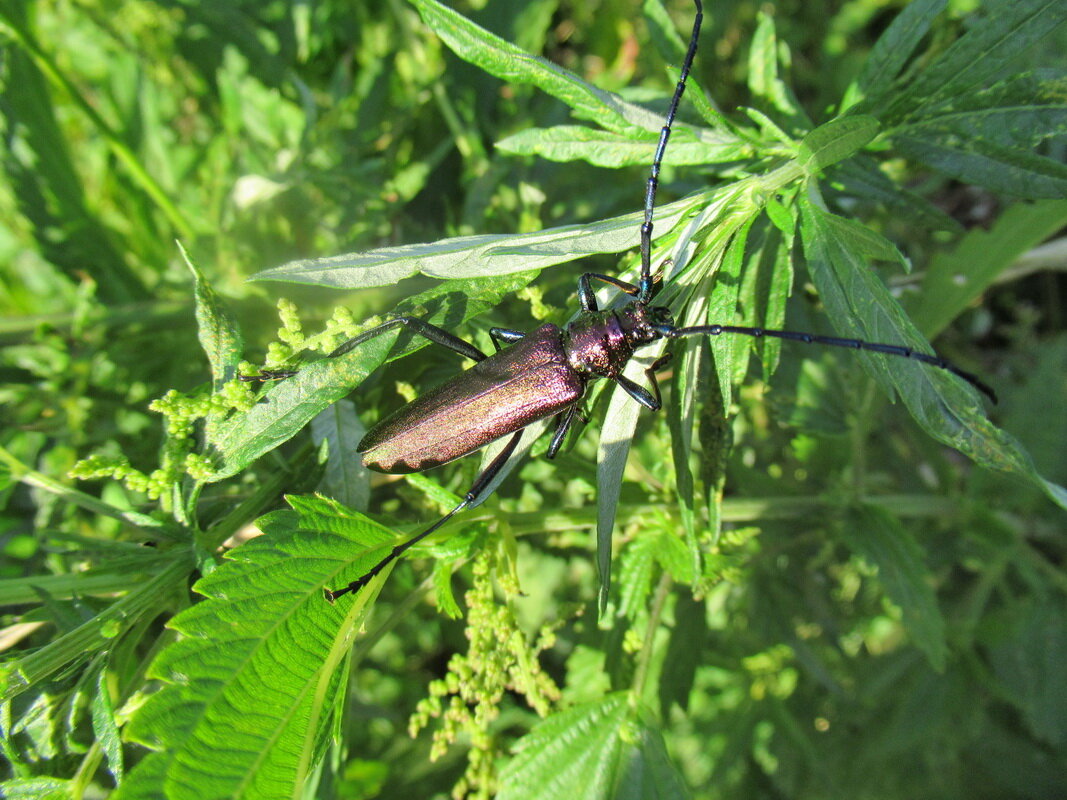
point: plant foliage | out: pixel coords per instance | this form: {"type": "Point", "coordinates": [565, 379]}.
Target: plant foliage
{"type": "Point", "coordinates": [812, 589]}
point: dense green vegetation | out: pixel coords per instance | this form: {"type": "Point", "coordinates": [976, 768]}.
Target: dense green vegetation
{"type": "Point", "coordinates": [815, 591]}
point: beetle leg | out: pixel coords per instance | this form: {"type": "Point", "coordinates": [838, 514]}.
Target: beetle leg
{"type": "Point", "coordinates": [565, 419]}
{"type": "Point", "coordinates": [585, 291]}
{"type": "Point", "coordinates": [483, 480]}
{"type": "Point", "coordinates": [505, 336]}
{"type": "Point", "coordinates": [649, 399]}
{"type": "Point", "coordinates": [415, 325]}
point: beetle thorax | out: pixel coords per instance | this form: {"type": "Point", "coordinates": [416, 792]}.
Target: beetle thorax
{"type": "Point", "coordinates": [602, 342]}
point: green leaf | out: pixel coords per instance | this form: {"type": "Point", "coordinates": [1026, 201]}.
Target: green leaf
{"type": "Point", "coordinates": [682, 403]}
{"type": "Point", "coordinates": [685, 652]}
{"type": "Point", "coordinates": [998, 36]}
{"type": "Point", "coordinates": [216, 328]}
{"type": "Point", "coordinates": [862, 177]}
{"type": "Point", "coordinates": [345, 478]}
{"type": "Point", "coordinates": [613, 449]}
{"type": "Point", "coordinates": [863, 242]}
{"type": "Point", "coordinates": [1020, 112]}
{"type": "Point", "coordinates": [508, 62]}
{"type": "Point", "coordinates": [467, 257]}
{"type": "Point", "coordinates": [688, 146]}
{"type": "Point", "coordinates": [876, 536]}
{"type": "Point", "coordinates": [288, 405]}
{"type": "Point", "coordinates": [763, 77]}
{"type": "Point", "coordinates": [635, 574]}
{"type": "Point", "coordinates": [835, 141]}
{"type": "Point", "coordinates": [781, 215]}
{"type": "Point", "coordinates": [996, 167]}
{"type": "Point", "coordinates": [442, 584]}
{"type": "Point", "coordinates": [859, 306]}
{"type": "Point", "coordinates": [722, 308]}
{"type": "Point", "coordinates": [251, 686]}
{"type": "Point", "coordinates": [105, 727]}
{"type": "Point", "coordinates": [595, 751]}
{"type": "Point", "coordinates": [955, 279]}
{"type": "Point", "coordinates": [1027, 651]}
{"type": "Point", "coordinates": [894, 47]}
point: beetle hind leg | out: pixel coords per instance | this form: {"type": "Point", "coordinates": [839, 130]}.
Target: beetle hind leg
{"type": "Point", "coordinates": [480, 483]}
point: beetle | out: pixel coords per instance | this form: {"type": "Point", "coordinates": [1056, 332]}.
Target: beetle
{"type": "Point", "coordinates": [545, 373]}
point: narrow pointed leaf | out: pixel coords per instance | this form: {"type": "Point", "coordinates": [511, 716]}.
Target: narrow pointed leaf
{"type": "Point", "coordinates": [861, 307]}
{"type": "Point", "coordinates": [894, 47]}
{"type": "Point", "coordinates": [835, 141]}
{"type": "Point", "coordinates": [613, 150]}
{"type": "Point", "coordinates": [1003, 31]}
{"type": "Point", "coordinates": [476, 256]}
{"type": "Point", "coordinates": [506, 61]}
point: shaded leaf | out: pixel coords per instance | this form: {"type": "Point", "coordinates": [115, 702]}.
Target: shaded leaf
{"type": "Point", "coordinates": [345, 478]}
{"type": "Point", "coordinates": [955, 279]}
{"type": "Point", "coordinates": [684, 653]}
{"type": "Point", "coordinates": [1003, 31]}
{"type": "Point", "coordinates": [896, 45]}
{"type": "Point", "coordinates": [944, 405]}
{"type": "Point", "coordinates": [876, 536]}
{"type": "Point", "coordinates": [1027, 655]}
{"type": "Point", "coordinates": [996, 167]}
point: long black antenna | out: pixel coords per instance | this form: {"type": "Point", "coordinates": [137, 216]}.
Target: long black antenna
{"type": "Point", "coordinates": [644, 290]}
{"type": "Point", "coordinates": [644, 293]}
{"type": "Point", "coordinates": [835, 341]}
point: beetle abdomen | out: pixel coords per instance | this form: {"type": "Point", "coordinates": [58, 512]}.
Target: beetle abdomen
{"type": "Point", "coordinates": [528, 381]}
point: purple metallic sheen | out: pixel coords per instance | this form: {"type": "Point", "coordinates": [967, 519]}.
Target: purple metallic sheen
{"type": "Point", "coordinates": [528, 381]}
{"type": "Point", "coordinates": [597, 345]}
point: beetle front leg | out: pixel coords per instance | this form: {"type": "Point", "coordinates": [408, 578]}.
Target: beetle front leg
{"type": "Point", "coordinates": [649, 399]}
{"type": "Point", "coordinates": [585, 291]}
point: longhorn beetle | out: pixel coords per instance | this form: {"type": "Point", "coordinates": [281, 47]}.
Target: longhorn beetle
{"type": "Point", "coordinates": [544, 373]}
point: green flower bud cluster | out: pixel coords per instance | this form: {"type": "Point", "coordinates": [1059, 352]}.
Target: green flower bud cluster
{"type": "Point", "coordinates": [467, 700]}
{"type": "Point", "coordinates": [181, 413]}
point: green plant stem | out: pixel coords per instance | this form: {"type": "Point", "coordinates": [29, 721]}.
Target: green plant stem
{"type": "Point", "coordinates": [116, 576]}
{"type": "Point", "coordinates": [750, 509]}
{"type": "Point", "coordinates": [16, 329]}
{"type": "Point", "coordinates": [644, 658]}
{"type": "Point", "coordinates": [99, 632]}
{"type": "Point", "coordinates": [86, 771]}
